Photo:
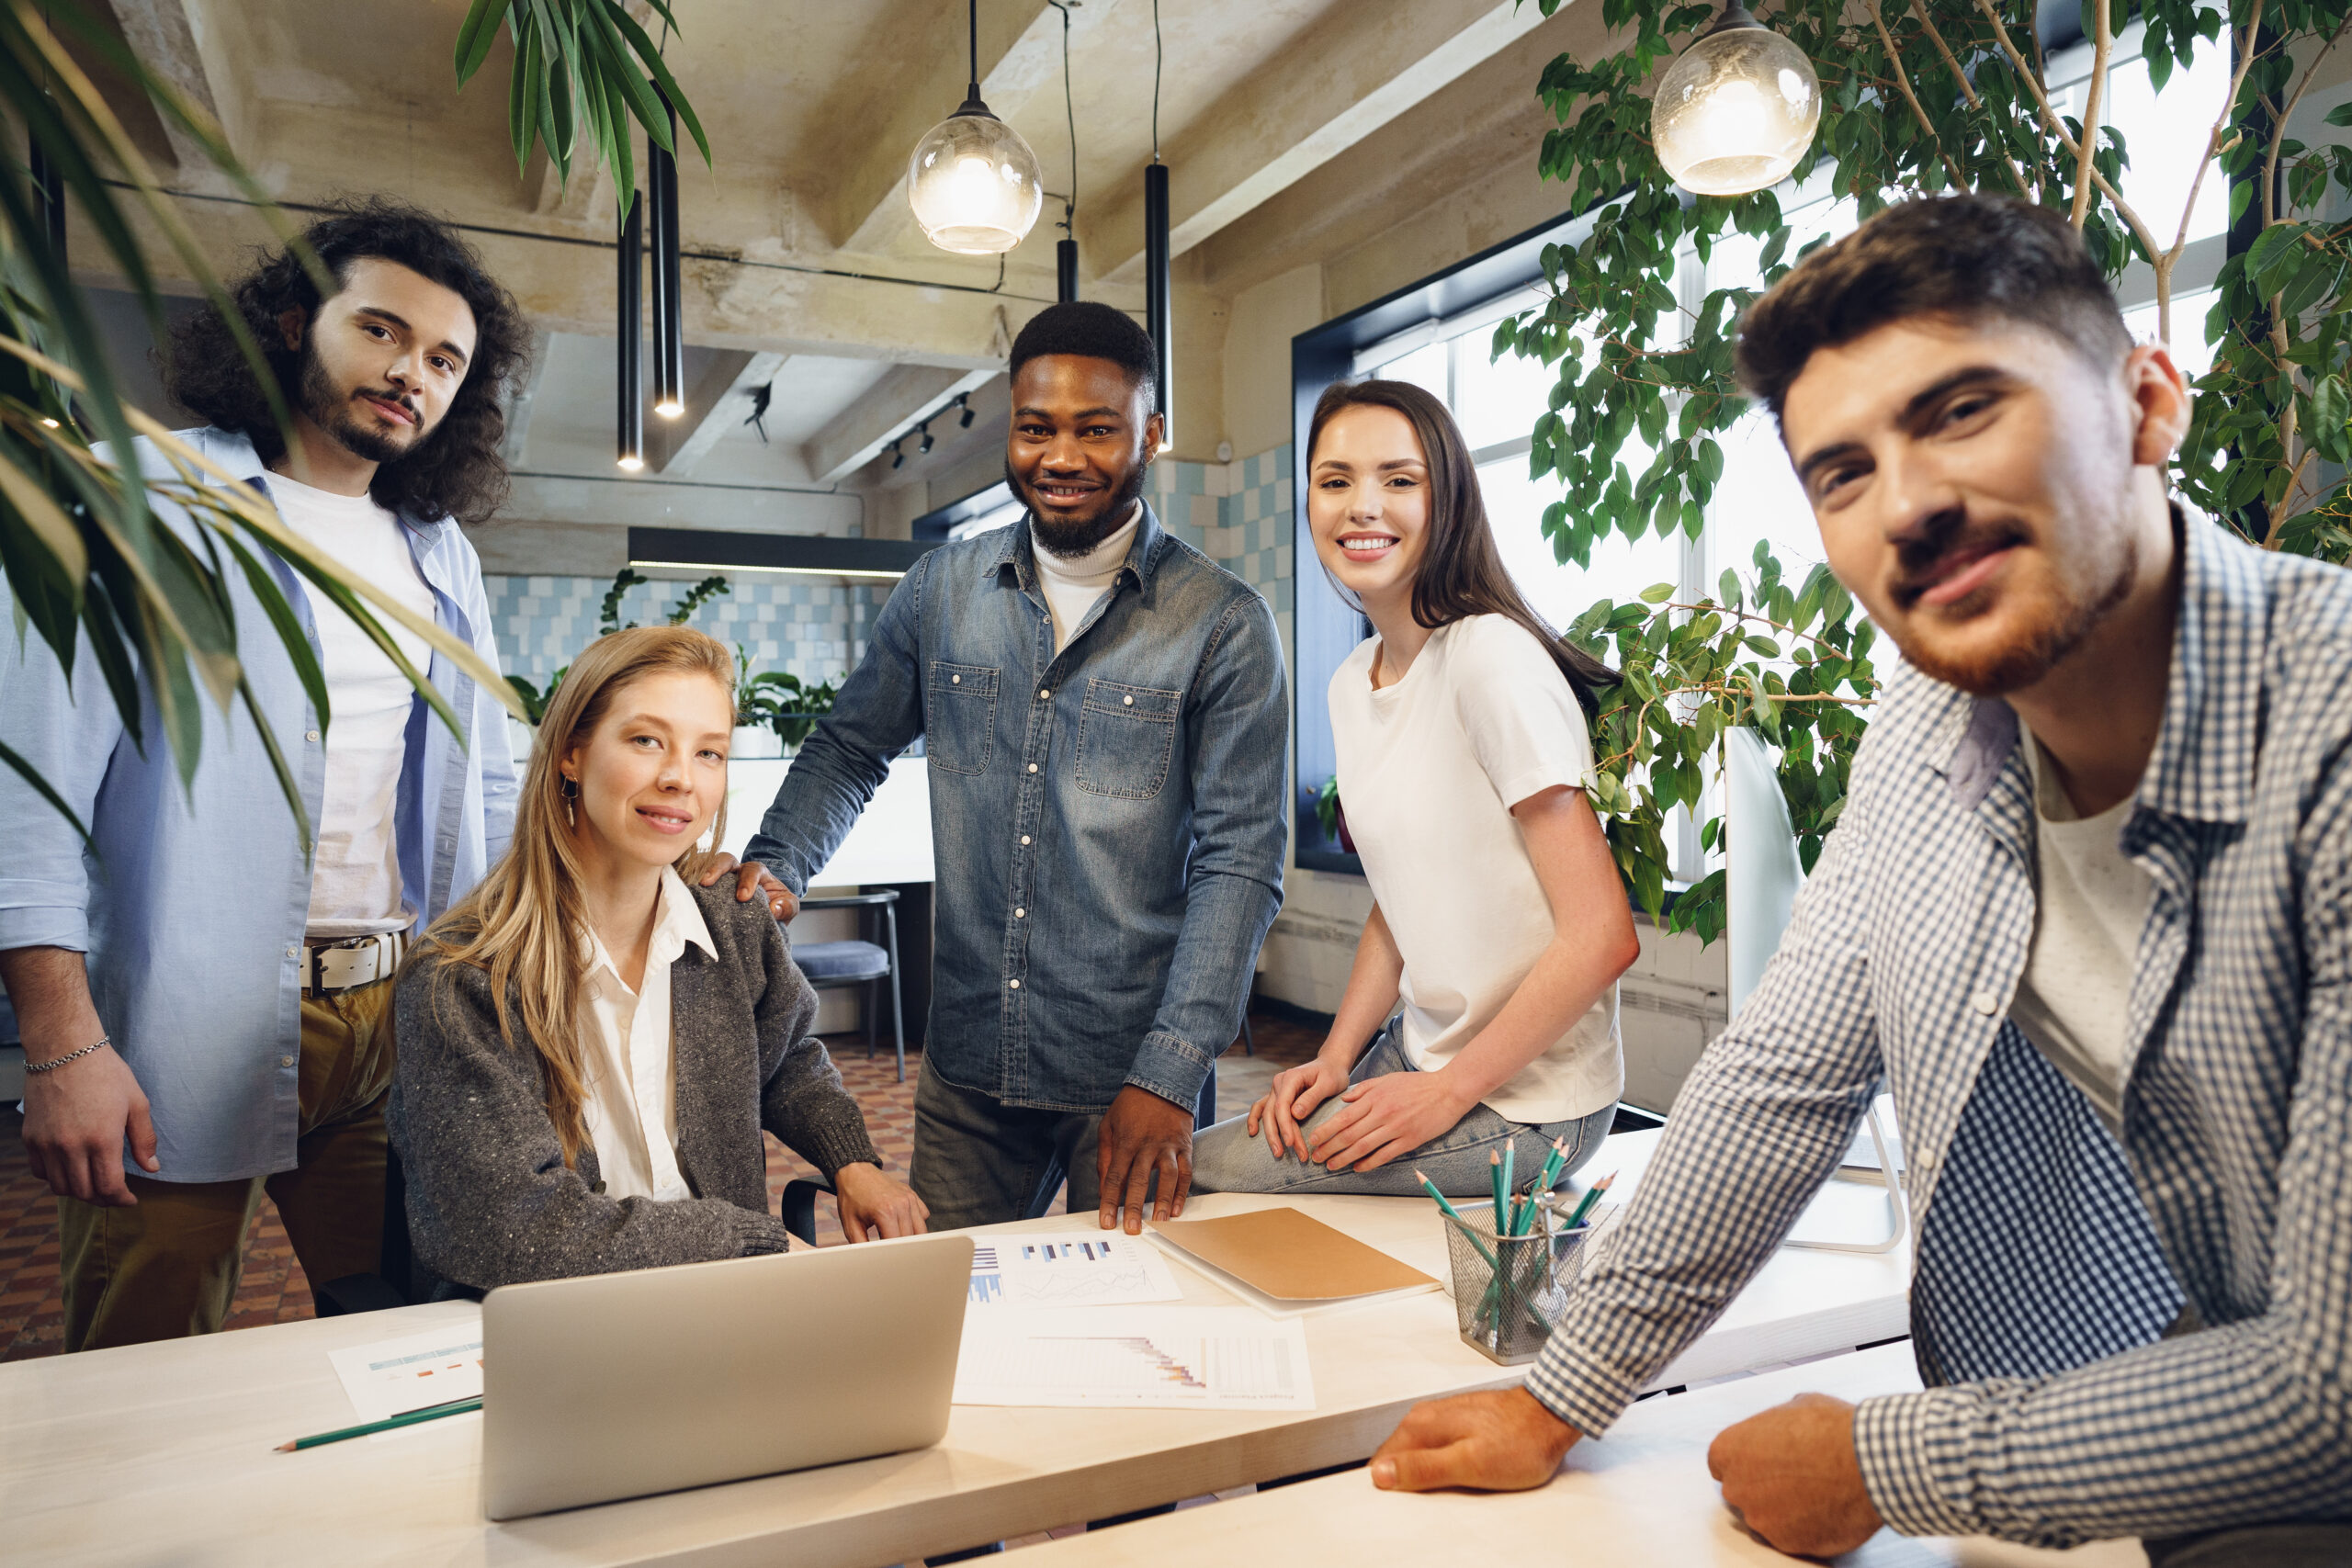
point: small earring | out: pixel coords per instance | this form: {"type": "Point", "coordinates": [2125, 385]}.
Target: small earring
{"type": "Point", "coordinates": [570, 794]}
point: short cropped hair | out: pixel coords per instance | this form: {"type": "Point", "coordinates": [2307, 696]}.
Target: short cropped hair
{"type": "Point", "coordinates": [1970, 258]}
{"type": "Point", "coordinates": [1095, 331]}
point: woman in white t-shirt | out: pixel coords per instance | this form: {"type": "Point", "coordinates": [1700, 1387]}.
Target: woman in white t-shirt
{"type": "Point", "coordinates": [1498, 921]}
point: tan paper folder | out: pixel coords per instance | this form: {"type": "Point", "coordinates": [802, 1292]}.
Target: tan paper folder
{"type": "Point", "coordinates": [1290, 1256]}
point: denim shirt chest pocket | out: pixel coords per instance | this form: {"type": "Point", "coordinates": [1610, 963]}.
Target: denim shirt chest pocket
{"type": "Point", "coordinates": [1125, 737]}
{"type": "Point", "coordinates": [960, 717]}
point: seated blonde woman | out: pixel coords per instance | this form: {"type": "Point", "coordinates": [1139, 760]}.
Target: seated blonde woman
{"type": "Point", "coordinates": [589, 1046]}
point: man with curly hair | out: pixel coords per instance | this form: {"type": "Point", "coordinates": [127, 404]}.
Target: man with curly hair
{"type": "Point", "coordinates": [196, 990]}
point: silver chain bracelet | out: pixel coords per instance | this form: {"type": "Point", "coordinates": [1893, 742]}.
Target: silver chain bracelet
{"type": "Point", "coordinates": [52, 1066]}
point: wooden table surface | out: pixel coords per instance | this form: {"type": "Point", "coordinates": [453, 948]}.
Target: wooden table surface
{"type": "Point", "coordinates": [158, 1454]}
{"type": "Point", "coordinates": [1638, 1497]}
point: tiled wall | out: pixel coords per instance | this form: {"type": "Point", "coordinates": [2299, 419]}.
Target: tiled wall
{"type": "Point", "coordinates": [816, 630]}
{"type": "Point", "coordinates": [1237, 513]}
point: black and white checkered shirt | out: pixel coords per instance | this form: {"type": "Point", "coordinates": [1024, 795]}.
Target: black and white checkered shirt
{"type": "Point", "coordinates": [2050, 1260]}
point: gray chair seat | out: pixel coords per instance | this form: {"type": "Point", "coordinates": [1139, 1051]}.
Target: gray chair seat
{"type": "Point", "coordinates": [841, 961]}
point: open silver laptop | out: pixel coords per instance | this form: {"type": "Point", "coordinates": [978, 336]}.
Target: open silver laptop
{"type": "Point", "coordinates": [621, 1385]}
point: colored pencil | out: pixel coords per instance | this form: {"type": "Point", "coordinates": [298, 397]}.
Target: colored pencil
{"type": "Point", "coordinates": [369, 1428]}
{"type": "Point", "coordinates": [1511, 1184]}
{"type": "Point", "coordinates": [1585, 1206]}
{"type": "Point", "coordinates": [1495, 1175]}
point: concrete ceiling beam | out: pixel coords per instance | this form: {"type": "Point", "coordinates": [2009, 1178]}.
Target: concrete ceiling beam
{"type": "Point", "coordinates": [868, 206]}
{"type": "Point", "coordinates": [714, 402]}
{"type": "Point", "coordinates": [900, 401]}
{"type": "Point", "coordinates": [1371, 64]}
{"type": "Point", "coordinates": [177, 39]}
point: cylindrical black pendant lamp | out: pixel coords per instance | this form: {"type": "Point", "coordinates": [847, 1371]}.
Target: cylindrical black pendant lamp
{"type": "Point", "coordinates": [49, 189]}
{"type": "Point", "coordinates": [1155, 269]}
{"type": "Point", "coordinates": [631, 323]}
{"type": "Point", "coordinates": [669, 319]}
{"type": "Point", "coordinates": [1066, 267]}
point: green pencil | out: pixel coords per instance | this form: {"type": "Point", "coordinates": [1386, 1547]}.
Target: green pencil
{"type": "Point", "coordinates": [1511, 1162]}
{"type": "Point", "coordinates": [1584, 1206]}
{"type": "Point", "coordinates": [369, 1428]}
{"type": "Point", "coordinates": [1495, 1175]}
{"type": "Point", "coordinates": [1546, 1179]}
{"type": "Point", "coordinates": [1431, 1188]}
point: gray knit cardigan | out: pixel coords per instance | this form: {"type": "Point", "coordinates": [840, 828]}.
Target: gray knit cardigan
{"type": "Point", "coordinates": [489, 1200]}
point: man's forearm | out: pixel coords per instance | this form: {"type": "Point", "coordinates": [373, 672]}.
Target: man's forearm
{"type": "Point", "coordinates": [1216, 953]}
{"type": "Point", "coordinates": [49, 989]}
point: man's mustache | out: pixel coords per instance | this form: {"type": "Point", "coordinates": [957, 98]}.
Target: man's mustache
{"type": "Point", "coordinates": [386, 396]}
{"type": "Point", "coordinates": [1926, 556]}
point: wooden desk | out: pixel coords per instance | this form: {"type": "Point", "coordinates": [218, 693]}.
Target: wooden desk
{"type": "Point", "coordinates": [1640, 1496]}
{"type": "Point", "coordinates": [159, 1454]}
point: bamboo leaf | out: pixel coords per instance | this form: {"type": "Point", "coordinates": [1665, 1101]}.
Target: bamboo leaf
{"type": "Point", "coordinates": [476, 35]}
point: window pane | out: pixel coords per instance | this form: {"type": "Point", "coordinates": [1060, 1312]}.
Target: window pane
{"type": "Point", "coordinates": [1425, 367]}
{"type": "Point", "coordinates": [2165, 136]}
{"type": "Point", "coordinates": [1760, 499]}
{"type": "Point", "coordinates": [1620, 568]}
{"type": "Point", "coordinates": [1501, 401]}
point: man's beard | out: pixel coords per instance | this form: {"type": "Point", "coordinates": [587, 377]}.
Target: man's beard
{"type": "Point", "coordinates": [1995, 673]}
{"type": "Point", "coordinates": [1070, 540]}
{"type": "Point", "coordinates": [329, 407]}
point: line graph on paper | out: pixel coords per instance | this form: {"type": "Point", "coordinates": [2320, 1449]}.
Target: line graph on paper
{"type": "Point", "coordinates": [1212, 1359]}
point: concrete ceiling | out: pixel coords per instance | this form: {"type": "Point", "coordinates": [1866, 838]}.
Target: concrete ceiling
{"type": "Point", "coordinates": [1294, 128]}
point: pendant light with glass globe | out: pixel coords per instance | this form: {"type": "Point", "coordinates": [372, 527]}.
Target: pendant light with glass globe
{"type": "Point", "coordinates": [973, 182]}
{"type": "Point", "coordinates": [1736, 110]}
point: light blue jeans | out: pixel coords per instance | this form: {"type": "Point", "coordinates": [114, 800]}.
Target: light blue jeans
{"type": "Point", "coordinates": [1225, 1159]}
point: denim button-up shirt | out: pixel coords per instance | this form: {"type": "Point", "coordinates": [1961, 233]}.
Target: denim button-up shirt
{"type": "Point", "coordinates": [193, 909]}
{"type": "Point", "coordinates": [1108, 821]}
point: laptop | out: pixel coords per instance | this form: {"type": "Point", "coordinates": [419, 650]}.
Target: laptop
{"type": "Point", "coordinates": [622, 1386]}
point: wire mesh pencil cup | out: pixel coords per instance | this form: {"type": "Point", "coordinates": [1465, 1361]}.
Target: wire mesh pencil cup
{"type": "Point", "coordinates": [1505, 1297]}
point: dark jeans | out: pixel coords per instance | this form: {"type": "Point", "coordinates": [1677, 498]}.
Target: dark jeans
{"type": "Point", "coordinates": [979, 1161]}
{"type": "Point", "coordinates": [2256, 1546]}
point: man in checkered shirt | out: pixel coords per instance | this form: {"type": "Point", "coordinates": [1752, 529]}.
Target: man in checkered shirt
{"type": "Point", "coordinates": [2088, 915]}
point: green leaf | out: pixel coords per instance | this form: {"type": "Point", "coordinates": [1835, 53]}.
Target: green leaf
{"type": "Point", "coordinates": [476, 35]}
{"type": "Point", "coordinates": [1763, 646]}
{"type": "Point", "coordinates": [1657, 594]}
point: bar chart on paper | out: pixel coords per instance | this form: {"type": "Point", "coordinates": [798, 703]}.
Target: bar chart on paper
{"type": "Point", "coordinates": [393, 1376]}
{"type": "Point", "coordinates": [1170, 1358]}
{"type": "Point", "coordinates": [1073, 1269]}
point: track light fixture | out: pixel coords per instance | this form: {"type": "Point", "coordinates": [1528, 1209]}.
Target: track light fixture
{"type": "Point", "coordinates": [925, 445]}
{"type": "Point", "coordinates": [897, 458]}
{"type": "Point", "coordinates": [964, 402]}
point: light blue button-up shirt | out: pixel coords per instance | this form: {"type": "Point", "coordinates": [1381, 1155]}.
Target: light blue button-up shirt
{"type": "Point", "coordinates": [192, 908]}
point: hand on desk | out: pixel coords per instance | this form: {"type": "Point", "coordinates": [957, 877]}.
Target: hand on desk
{"type": "Point", "coordinates": [1792, 1477]}
{"type": "Point", "coordinates": [1493, 1442]}
{"type": "Point", "coordinates": [1143, 1134]}
{"type": "Point", "coordinates": [872, 1204]}
{"type": "Point", "coordinates": [750, 878]}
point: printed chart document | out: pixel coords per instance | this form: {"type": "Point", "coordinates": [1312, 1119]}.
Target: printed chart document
{"type": "Point", "coordinates": [1134, 1358]}
{"type": "Point", "coordinates": [1070, 1268]}
{"type": "Point", "coordinates": [393, 1377]}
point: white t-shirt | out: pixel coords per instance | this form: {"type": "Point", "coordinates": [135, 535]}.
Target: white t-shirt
{"type": "Point", "coordinates": [356, 881]}
{"type": "Point", "coordinates": [2091, 901]}
{"type": "Point", "coordinates": [1072, 585]}
{"type": "Point", "coordinates": [1429, 768]}
{"type": "Point", "coordinates": [627, 1048]}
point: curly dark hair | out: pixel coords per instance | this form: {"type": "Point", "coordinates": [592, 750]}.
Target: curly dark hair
{"type": "Point", "coordinates": [456, 470]}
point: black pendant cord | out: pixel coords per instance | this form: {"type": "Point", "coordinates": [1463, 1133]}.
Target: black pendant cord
{"type": "Point", "coordinates": [631, 325]}
{"type": "Point", "coordinates": [1065, 249]}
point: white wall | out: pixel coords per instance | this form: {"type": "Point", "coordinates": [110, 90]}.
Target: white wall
{"type": "Point", "coordinates": [1257, 355]}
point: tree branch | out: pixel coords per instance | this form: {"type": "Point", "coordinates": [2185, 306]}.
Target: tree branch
{"type": "Point", "coordinates": [2057, 126]}
{"type": "Point", "coordinates": [1903, 79]}
{"type": "Point", "coordinates": [2102, 45]}
{"type": "Point", "coordinates": [1968, 91]}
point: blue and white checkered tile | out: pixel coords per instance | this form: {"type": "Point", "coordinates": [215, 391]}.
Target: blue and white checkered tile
{"type": "Point", "coordinates": [814, 630]}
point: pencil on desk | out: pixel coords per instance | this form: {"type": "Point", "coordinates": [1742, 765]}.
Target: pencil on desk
{"type": "Point", "coordinates": [1585, 1205]}
{"type": "Point", "coordinates": [369, 1428]}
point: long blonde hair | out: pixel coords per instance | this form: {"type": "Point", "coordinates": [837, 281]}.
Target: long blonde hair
{"type": "Point", "coordinates": [525, 925]}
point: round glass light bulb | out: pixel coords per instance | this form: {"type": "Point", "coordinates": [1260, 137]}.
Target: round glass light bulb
{"type": "Point", "coordinates": [1736, 111]}
{"type": "Point", "coordinates": [974, 185]}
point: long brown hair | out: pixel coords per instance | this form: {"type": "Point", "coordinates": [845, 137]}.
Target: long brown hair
{"type": "Point", "coordinates": [525, 925]}
{"type": "Point", "coordinates": [1460, 573]}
